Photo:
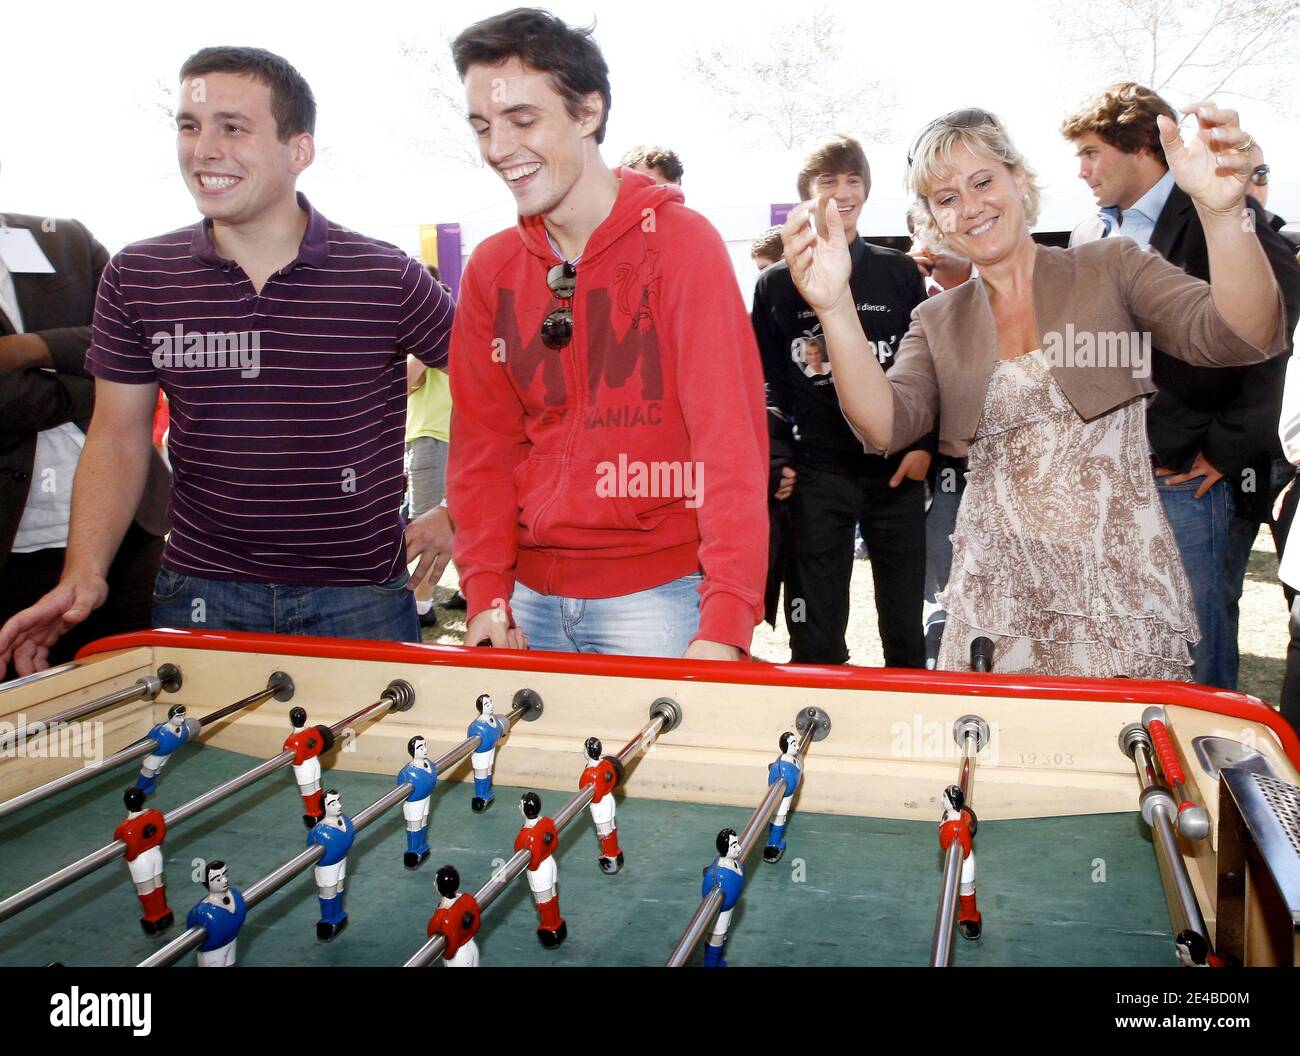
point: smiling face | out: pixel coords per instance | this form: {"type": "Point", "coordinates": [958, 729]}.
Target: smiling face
{"type": "Point", "coordinates": [979, 206]}
{"type": "Point", "coordinates": [230, 153]}
{"type": "Point", "coordinates": [849, 192]}
{"type": "Point", "coordinates": [527, 136]}
{"type": "Point", "coordinates": [1114, 177]}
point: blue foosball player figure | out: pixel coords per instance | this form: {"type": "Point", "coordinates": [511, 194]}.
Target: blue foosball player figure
{"type": "Point", "coordinates": [420, 774]}
{"type": "Point", "coordinates": [788, 768]}
{"type": "Point", "coordinates": [222, 913]}
{"type": "Point", "coordinates": [335, 833]}
{"type": "Point", "coordinates": [170, 735]}
{"type": "Point", "coordinates": [489, 730]}
{"type": "Point", "coordinates": [724, 873]}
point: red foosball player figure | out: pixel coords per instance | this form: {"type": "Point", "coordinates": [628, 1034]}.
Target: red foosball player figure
{"type": "Point", "coordinates": [143, 832]}
{"type": "Point", "coordinates": [603, 775]}
{"type": "Point", "coordinates": [307, 743]}
{"type": "Point", "coordinates": [959, 823]}
{"type": "Point", "coordinates": [456, 919]}
{"type": "Point", "coordinates": [541, 840]}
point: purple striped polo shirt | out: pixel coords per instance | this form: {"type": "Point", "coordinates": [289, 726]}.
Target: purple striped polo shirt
{"type": "Point", "coordinates": [288, 407]}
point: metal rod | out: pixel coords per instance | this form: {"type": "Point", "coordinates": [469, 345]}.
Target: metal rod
{"type": "Point", "coordinates": [35, 795]}
{"type": "Point", "coordinates": [946, 917]}
{"type": "Point", "coordinates": [149, 686]}
{"type": "Point", "coordinates": [941, 944]}
{"type": "Point", "coordinates": [1159, 812]}
{"type": "Point", "coordinates": [126, 755]}
{"type": "Point", "coordinates": [192, 938]}
{"type": "Point", "coordinates": [96, 859]}
{"type": "Point", "coordinates": [276, 685]}
{"type": "Point", "coordinates": [38, 676]}
{"type": "Point", "coordinates": [501, 879]}
{"type": "Point", "coordinates": [711, 904]}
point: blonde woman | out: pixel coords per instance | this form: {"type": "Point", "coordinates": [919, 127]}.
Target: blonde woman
{"type": "Point", "coordinates": [1037, 372]}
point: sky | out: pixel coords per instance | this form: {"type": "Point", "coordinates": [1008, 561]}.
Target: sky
{"type": "Point", "coordinates": [85, 126]}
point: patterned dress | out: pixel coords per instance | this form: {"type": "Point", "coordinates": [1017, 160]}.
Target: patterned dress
{"type": "Point", "coordinates": [1061, 554]}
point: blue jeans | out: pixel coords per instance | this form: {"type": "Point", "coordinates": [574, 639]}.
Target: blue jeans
{"type": "Point", "coordinates": [380, 612]}
{"type": "Point", "coordinates": [1241, 540]}
{"type": "Point", "coordinates": [1201, 530]}
{"type": "Point", "coordinates": [656, 622]}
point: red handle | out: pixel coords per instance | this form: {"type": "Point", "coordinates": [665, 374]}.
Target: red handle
{"type": "Point", "coordinates": [1169, 759]}
{"type": "Point", "coordinates": [1165, 750]}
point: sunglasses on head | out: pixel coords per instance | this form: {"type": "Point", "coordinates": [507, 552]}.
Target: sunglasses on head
{"type": "Point", "coordinates": [557, 328]}
{"type": "Point", "coordinates": [971, 117]}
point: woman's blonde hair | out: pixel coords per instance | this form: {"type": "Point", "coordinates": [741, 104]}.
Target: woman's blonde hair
{"type": "Point", "coordinates": [931, 160]}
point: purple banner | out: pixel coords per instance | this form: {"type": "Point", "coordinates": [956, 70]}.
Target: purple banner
{"type": "Point", "coordinates": [449, 256]}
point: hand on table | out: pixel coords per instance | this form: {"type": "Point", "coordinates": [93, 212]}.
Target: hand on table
{"type": "Point", "coordinates": [28, 635]}
{"type": "Point", "coordinates": [705, 650]}
{"type": "Point", "coordinates": [492, 627]}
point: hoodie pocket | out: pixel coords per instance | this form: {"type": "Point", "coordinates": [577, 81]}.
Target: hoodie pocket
{"type": "Point", "coordinates": [583, 503]}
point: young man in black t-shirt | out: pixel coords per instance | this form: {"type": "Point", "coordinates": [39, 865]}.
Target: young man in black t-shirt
{"type": "Point", "coordinates": [836, 482]}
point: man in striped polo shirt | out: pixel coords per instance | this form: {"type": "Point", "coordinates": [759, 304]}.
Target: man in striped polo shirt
{"type": "Point", "coordinates": [281, 341]}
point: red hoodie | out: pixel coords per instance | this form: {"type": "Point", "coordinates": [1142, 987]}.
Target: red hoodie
{"type": "Point", "coordinates": [632, 457]}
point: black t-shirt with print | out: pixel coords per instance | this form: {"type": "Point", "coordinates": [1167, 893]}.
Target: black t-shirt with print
{"type": "Point", "coordinates": [886, 286]}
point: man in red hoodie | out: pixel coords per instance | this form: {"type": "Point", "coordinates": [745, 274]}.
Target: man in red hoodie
{"type": "Point", "coordinates": [608, 464]}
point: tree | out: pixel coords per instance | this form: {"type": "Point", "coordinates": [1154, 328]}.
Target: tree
{"type": "Point", "coordinates": [444, 133]}
{"type": "Point", "coordinates": [1191, 49]}
{"type": "Point", "coordinates": [796, 86]}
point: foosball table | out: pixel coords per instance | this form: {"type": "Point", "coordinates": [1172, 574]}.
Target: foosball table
{"type": "Point", "coordinates": [301, 801]}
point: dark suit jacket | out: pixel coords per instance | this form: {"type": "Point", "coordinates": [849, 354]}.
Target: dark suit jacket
{"type": "Point", "coordinates": [59, 307]}
{"type": "Point", "coordinates": [1230, 415]}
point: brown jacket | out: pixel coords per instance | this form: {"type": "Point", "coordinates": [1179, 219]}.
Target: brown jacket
{"type": "Point", "coordinates": [1108, 295]}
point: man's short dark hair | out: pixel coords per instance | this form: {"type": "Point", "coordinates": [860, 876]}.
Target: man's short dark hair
{"type": "Point", "coordinates": [292, 103]}
{"type": "Point", "coordinates": [661, 158]}
{"type": "Point", "coordinates": [834, 155]}
{"type": "Point", "coordinates": [1123, 115]}
{"type": "Point", "coordinates": [541, 42]}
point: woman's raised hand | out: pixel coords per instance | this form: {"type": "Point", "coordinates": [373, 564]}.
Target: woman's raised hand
{"type": "Point", "coordinates": [818, 258]}
{"type": "Point", "coordinates": [1213, 167]}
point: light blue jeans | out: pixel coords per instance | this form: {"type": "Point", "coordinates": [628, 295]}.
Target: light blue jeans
{"type": "Point", "coordinates": [656, 622]}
